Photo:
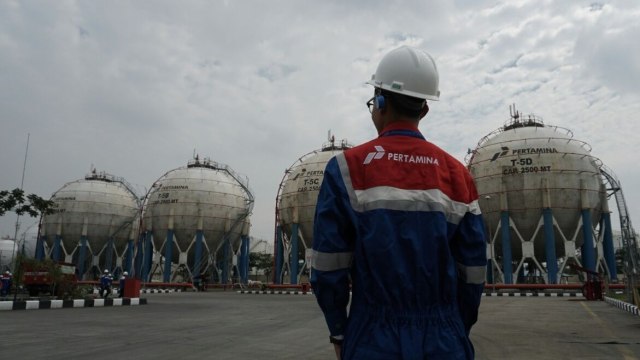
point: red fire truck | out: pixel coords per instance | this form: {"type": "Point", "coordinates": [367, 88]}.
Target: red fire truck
{"type": "Point", "coordinates": [54, 279]}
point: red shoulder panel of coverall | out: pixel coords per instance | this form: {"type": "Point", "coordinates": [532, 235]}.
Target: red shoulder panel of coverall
{"type": "Point", "coordinates": [409, 163]}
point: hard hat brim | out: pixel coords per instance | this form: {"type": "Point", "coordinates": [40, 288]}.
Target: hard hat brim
{"type": "Point", "coordinates": [380, 85]}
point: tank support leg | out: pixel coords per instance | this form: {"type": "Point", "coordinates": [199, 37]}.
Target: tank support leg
{"type": "Point", "coordinates": [197, 256]}
{"type": "Point", "coordinates": [148, 257]}
{"type": "Point", "coordinates": [244, 259]}
{"type": "Point", "coordinates": [40, 248]}
{"type": "Point", "coordinates": [550, 247]}
{"type": "Point", "coordinates": [109, 254]}
{"type": "Point", "coordinates": [279, 256]}
{"type": "Point", "coordinates": [81, 257]}
{"type": "Point", "coordinates": [506, 248]}
{"type": "Point", "coordinates": [168, 250]}
{"type": "Point", "coordinates": [129, 256]}
{"type": "Point", "coordinates": [293, 263]}
{"type": "Point", "coordinates": [607, 244]}
{"type": "Point", "coordinates": [225, 261]}
{"type": "Point", "coordinates": [55, 254]}
{"type": "Point", "coordinates": [137, 266]}
{"type": "Point", "coordinates": [588, 251]}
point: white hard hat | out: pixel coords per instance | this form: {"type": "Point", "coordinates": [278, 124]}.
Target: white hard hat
{"type": "Point", "coordinates": [125, 273]}
{"type": "Point", "coordinates": [7, 272]}
{"type": "Point", "coordinates": [106, 271]}
{"type": "Point", "coordinates": [408, 71]}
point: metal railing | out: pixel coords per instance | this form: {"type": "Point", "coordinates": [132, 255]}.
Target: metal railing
{"type": "Point", "coordinates": [629, 241]}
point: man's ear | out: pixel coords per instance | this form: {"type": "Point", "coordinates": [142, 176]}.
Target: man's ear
{"type": "Point", "coordinates": [425, 110]}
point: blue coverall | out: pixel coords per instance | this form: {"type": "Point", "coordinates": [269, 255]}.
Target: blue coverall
{"type": "Point", "coordinates": [397, 218]}
{"type": "Point", "coordinates": [106, 281]}
{"type": "Point", "coordinates": [6, 284]}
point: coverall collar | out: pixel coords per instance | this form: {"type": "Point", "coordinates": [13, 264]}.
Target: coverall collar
{"type": "Point", "coordinates": [401, 128]}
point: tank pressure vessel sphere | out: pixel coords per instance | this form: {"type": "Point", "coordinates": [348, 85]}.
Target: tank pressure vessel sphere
{"type": "Point", "coordinates": [100, 207]}
{"type": "Point", "coordinates": [300, 188]}
{"type": "Point", "coordinates": [7, 250]}
{"type": "Point", "coordinates": [204, 195]}
{"type": "Point", "coordinates": [527, 166]}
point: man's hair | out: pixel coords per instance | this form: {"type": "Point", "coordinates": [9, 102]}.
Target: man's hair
{"type": "Point", "coordinates": [404, 105]}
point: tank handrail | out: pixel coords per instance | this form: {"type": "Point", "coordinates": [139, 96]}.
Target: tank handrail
{"type": "Point", "coordinates": [490, 135]}
{"type": "Point", "coordinates": [106, 177]}
{"type": "Point", "coordinates": [581, 143]}
{"type": "Point", "coordinates": [125, 223]}
{"type": "Point", "coordinates": [517, 121]}
{"type": "Point", "coordinates": [331, 145]}
{"type": "Point", "coordinates": [609, 175]}
{"type": "Point", "coordinates": [245, 186]}
{"type": "Point", "coordinates": [210, 164]}
{"type": "Point", "coordinates": [114, 179]}
{"type": "Point", "coordinates": [629, 241]}
{"type": "Point", "coordinates": [207, 163]}
{"type": "Point", "coordinates": [242, 180]}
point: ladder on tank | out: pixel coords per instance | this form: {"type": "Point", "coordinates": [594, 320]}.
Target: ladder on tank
{"type": "Point", "coordinates": [629, 242]}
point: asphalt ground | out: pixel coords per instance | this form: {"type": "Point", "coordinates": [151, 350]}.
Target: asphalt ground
{"type": "Point", "coordinates": [228, 325]}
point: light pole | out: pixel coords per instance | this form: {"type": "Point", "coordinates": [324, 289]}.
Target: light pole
{"type": "Point", "coordinates": [15, 236]}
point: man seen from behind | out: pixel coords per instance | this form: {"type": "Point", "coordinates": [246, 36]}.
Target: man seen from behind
{"type": "Point", "coordinates": [398, 224]}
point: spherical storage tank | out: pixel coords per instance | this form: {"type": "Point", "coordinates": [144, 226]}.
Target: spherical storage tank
{"type": "Point", "coordinates": [7, 251]}
{"type": "Point", "coordinates": [297, 196]}
{"type": "Point", "coordinates": [26, 246]}
{"type": "Point", "coordinates": [99, 211]}
{"type": "Point", "coordinates": [520, 170]}
{"type": "Point", "coordinates": [201, 210]}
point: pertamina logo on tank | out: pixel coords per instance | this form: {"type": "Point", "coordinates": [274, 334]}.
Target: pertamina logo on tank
{"type": "Point", "coordinates": [523, 151]}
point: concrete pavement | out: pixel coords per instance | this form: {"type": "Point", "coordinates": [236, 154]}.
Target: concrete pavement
{"type": "Point", "coordinates": [227, 325]}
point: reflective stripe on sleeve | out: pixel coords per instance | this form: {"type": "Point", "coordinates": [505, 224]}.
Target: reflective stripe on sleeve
{"type": "Point", "coordinates": [472, 274]}
{"type": "Point", "coordinates": [331, 261]}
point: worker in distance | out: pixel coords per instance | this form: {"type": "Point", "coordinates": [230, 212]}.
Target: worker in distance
{"type": "Point", "coordinates": [397, 222]}
{"type": "Point", "coordinates": [106, 281]}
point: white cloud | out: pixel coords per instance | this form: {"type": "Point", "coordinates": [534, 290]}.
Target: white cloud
{"type": "Point", "coordinates": [134, 88]}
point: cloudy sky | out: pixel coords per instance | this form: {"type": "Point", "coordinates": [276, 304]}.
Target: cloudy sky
{"type": "Point", "coordinates": [134, 87]}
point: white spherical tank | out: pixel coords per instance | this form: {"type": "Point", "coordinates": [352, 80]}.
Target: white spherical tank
{"type": "Point", "coordinates": [30, 240]}
{"type": "Point", "coordinates": [204, 195]}
{"type": "Point", "coordinates": [299, 190]}
{"type": "Point", "coordinates": [7, 250]}
{"type": "Point", "coordinates": [525, 167]}
{"type": "Point", "coordinates": [100, 207]}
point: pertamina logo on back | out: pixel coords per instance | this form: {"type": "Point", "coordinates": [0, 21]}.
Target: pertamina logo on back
{"type": "Point", "coordinates": [378, 154]}
{"type": "Point", "coordinates": [399, 157]}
